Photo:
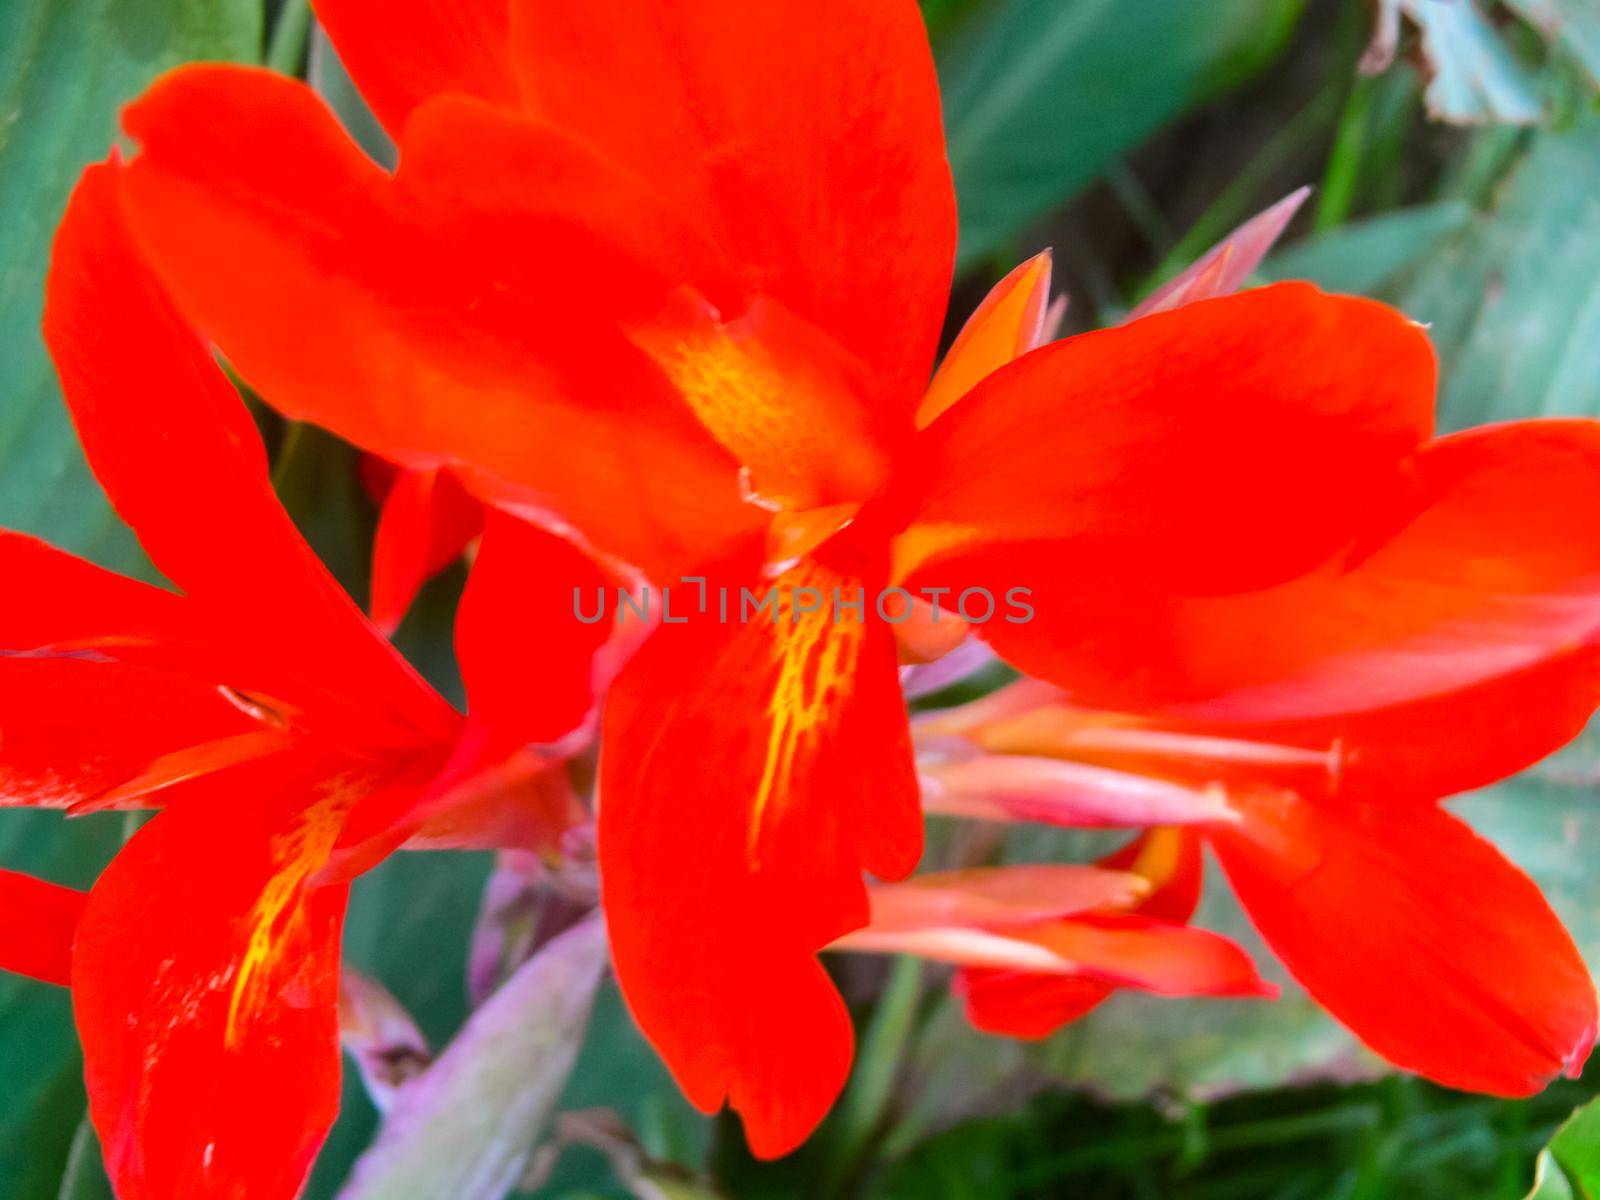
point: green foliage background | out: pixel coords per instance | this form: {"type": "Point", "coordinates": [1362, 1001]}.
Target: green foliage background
{"type": "Point", "coordinates": [1129, 135]}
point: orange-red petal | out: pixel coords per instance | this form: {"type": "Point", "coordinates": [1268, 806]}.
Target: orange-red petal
{"type": "Point", "coordinates": [404, 52]}
{"type": "Point", "coordinates": [465, 312]}
{"type": "Point", "coordinates": [425, 524]}
{"type": "Point", "coordinates": [179, 456]}
{"type": "Point", "coordinates": [814, 146]}
{"type": "Point", "coordinates": [1106, 953]}
{"type": "Point", "coordinates": [1011, 321]}
{"type": "Point", "coordinates": [205, 983]}
{"type": "Point", "coordinates": [1026, 1004]}
{"type": "Point", "coordinates": [37, 924]}
{"type": "Point", "coordinates": [531, 666]}
{"type": "Point", "coordinates": [1458, 645]}
{"type": "Point", "coordinates": [78, 727]}
{"type": "Point", "coordinates": [1419, 936]}
{"type": "Point", "coordinates": [1222, 447]}
{"type": "Point", "coordinates": [749, 772]}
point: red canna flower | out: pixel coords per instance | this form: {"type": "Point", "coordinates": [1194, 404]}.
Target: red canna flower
{"type": "Point", "coordinates": [286, 743]}
{"type": "Point", "coordinates": [1421, 937]}
{"type": "Point", "coordinates": [1039, 946]}
{"type": "Point", "coordinates": [673, 285]}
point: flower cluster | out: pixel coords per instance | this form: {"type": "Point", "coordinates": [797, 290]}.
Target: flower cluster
{"type": "Point", "coordinates": [660, 299]}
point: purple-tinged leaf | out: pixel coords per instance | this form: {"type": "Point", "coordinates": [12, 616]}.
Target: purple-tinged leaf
{"type": "Point", "coordinates": [465, 1127]}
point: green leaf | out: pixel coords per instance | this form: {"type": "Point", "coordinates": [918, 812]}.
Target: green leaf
{"type": "Point", "coordinates": [1569, 1168]}
{"type": "Point", "coordinates": [66, 66]}
{"type": "Point", "coordinates": [1364, 257]}
{"type": "Point", "coordinates": [85, 1174]}
{"type": "Point", "coordinates": [1041, 96]}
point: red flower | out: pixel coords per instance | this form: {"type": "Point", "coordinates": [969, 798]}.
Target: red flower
{"type": "Point", "coordinates": [1420, 936]}
{"type": "Point", "coordinates": [675, 284]}
{"type": "Point", "coordinates": [286, 742]}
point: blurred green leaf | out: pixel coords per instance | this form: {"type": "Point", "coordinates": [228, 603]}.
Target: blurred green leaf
{"type": "Point", "coordinates": [66, 66]}
{"type": "Point", "coordinates": [1569, 1168]}
{"type": "Point", "coordinates": [1361, 258]}
{"type": "Point", "coordinates": [1041, 96]}
{"type": "Point", "coordinates": [85, 1175]}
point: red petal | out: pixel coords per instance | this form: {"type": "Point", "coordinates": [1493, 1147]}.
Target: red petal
{"type": "Point", "coordinates": [100, 676]}
{"type": "Point", "coordinates": [1460, 645]}
{"type": "Point", "coordinates": [37, 923]}
{"type": "Point", "coordinates": [806, 141]}
{"type": "Point", "coordinates": [524, 803]}
{"type": "Point", "coordinates": [179, 456]}
{"type": "Point", "coordinates": [426, 523]}
{"type": "Point", "coordinates": [1107, 952]}
{"type": "Point", "coordinates": [1011, 321]}
{"type": "Point", "coordinates": [62, 601]}
{"type": "Point", "coordinates": [1024, 1004]}
{"type": "Point", "coordinates": [1437, 952]}
{"type": "Point", "coordinates": [403, 52]}
{"type": "Point", "coordinates": [1155, 956]}
{"type": "Point", "coordinates": [465, 312]}
{"type": "Point", "coordinates": [77, 727]}
{"type": "Point", "coordinates": [1219, 448]}
{"type": "Point", "coordinates": [528, 661]}
{"type": "Point", "coordinates": [749, 772]}
{"type": "Point", "coordinates": [206, 983]}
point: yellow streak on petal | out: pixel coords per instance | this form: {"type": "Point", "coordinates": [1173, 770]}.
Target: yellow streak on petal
{"type": "Point", "coordinates": [778, 396]}
{"type": "Point", "coordinates": [817, 653]}
{"type": "Point", "coordinates": [301, 851]}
